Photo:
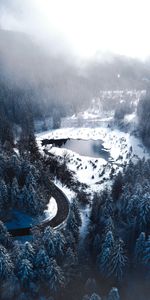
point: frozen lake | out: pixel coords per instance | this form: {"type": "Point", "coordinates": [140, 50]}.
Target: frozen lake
{"type": "Point", "coordinates": [92, 148]}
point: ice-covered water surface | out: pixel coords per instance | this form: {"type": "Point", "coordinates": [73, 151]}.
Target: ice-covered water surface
{"type": "Point", "coordinates": [91, 148]}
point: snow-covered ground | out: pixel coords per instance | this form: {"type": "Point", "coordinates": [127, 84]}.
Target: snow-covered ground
{"type": "Point", "coordinates": [95, 172]}
{"type": "Point", "coordinates": [51, 209]}
{"type": "Point", "coordinates": [121, 146]}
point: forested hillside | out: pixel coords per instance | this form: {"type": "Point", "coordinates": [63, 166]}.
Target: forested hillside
{"type": "Point", "coordinates": [74, 159]}
{"type": "Point", "coordinates": [34, 83]}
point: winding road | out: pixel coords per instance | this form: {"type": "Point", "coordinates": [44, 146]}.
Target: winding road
{"type": "Point", "coordinates": [63, 208]}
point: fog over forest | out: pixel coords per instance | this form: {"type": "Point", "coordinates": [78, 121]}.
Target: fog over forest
{"type": "Point", "coordinates": [34, 55]}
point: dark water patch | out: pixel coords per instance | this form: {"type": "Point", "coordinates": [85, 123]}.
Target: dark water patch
{"type": "Point", "coordinates": [54, 142]}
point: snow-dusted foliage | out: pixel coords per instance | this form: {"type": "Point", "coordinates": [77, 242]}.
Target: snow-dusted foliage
{"type": "Point", "coordinates": [95, 297]}
{"type": "Point", "coordinates": [21, 185]}
{"type": "Point", "coordinates": [54, 276]}
{"type": "Point", "coordinates": [104, 258]}
{"type": "Point", "coordinates": [41, 268]}
{"type": "Point", "coordinates": [3, 195]}
{"type": "Point", "coordinates": [5, 238]}
{"type": "Point", "coordinates": [119, 228]}
{"type": "Point", "coordinates": [146, 254]}
{"type": "Point", "coordinates": [25, 272]}
{"type": "Point", "coordinates": [113, 294]}
{"type": "Point", "coordinates": [118, 261]}
{"type": "Point", "coordinates": [139, 248]}
{"type": "Point", "coordinates": [76, 211]}
{"type": "Point", "coordinates": [72, 225]}
{"type": "Point", "coordinates": [56, 264]}
{"type": "Point", "coordinates": [6, 264]}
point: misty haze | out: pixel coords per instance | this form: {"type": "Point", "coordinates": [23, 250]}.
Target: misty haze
{"type": "Point", "coordinates": [74, 150]}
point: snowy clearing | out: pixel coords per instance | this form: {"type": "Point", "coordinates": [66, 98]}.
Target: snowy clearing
{"type": "Point", "coordinates": [121, 146]}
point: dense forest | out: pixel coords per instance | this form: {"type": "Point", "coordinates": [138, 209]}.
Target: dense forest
{"type": "Point", "coordinates": [119, 231]}
{"type": "Point", "coordinates": [57, 264]}
{"type": "Point", "coordinates": [111, 261]}
{"type": "Point", "coordinates": [116, 248]}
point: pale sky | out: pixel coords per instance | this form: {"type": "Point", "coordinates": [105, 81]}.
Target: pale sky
{"type": "Point", "coordinates": [86, 26]}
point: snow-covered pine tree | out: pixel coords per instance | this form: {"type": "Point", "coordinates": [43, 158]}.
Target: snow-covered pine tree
{"type": "Point", "coordinates": [96, 245]}
{"type": "Point", "coordinates": [55, 277]}
{"type": "Point", "coordinates": [95, 297]}
{"type": "Point", "coordinates": [5, 238]}
{"type": "Point", "coordinates": [144, 212]}
{"type": "Point", "coordinates": [3, 195]}
{"type": "Point", "coordinates": [23, 196]}
{"type": "Point", "coordinates": [118, 261]}
{"type": "Point", "coordinates": [70, 258]}
{"type": "Point", "coordinates": [108, 241]}
{"type": "Point", "coordinates": [14, 192]}
{"type": "Point", "coordinates": [139, 248]}
{"type": "Point", "coordinates": [103, 259]}
{"type": "Point", "coordinates": [59, 245]}
{"type": "Point", "coordinates": [32, 201]}
{"type": "Point", "coordinates": [48, 241]}
{"type": "Point", "coordinates": [6, 265]}
{"type": "Point", "coordinates": [117, 187]}
{"type": "Point", "coordinates": [32, 148]}
{"type": "Point", "coordinates": [69, 240]}
{"type": "Point", "coordinates": [27, 252]}
{"type": "Point", "coordinates": [41, 262]}
{"type": "Point", "coordinates": [113, 294]}
{"type": "Point", "coordinates": [76, 211]}
{"type": "Point", "coordinates": [72, 226]}
{"type": "Point", "coordinates": [25, 272]}
{"type": "Point", "coordinates": [30, 179]}
{"type": "Point", "coordinates": [146, 253]}
{"type": "Point", "coordinates": [103, 262]}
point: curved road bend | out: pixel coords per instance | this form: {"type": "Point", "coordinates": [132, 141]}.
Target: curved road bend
{"type": "Point", "coordinates": [63, 208]}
